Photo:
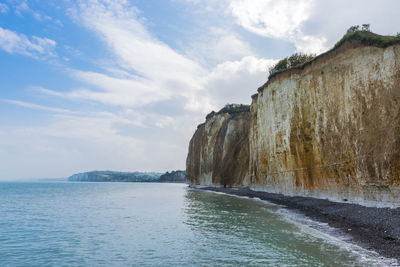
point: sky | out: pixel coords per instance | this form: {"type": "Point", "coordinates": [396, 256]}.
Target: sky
{"type": "Point", "coordinates": [122, 85]}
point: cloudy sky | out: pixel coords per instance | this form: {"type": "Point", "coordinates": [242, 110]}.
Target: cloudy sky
{"type": "Point", "coordinates": [121, 85]}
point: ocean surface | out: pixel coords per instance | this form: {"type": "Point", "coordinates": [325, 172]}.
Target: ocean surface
{"type": "Point", "coordinates": [149, 224]}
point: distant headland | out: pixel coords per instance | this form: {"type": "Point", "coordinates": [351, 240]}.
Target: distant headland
{"type": "Point", "coordinates": [114, 176]}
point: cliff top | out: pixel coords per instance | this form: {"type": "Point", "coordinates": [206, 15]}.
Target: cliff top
{"type": "Point", "coordinates": [368, 38]}
{"type": "Point", "coordinates": [230, 109]}
{"type": "Point", "coordinates": [363, 37]}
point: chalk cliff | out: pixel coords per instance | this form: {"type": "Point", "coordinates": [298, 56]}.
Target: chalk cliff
{"type": "Point", "coordinates": [329, 129]}
{"type": "Point", "coordinates": [219, 149]}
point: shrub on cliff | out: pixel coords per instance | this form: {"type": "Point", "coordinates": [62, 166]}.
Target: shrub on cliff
{"type": "Point", "coordinates": [356, 28]}
{"type": "Point", "coordinates": [365, 27]}
{"type": "Point", "coordinates": [230, 109]}
{"type": "Point", "coordinates": [365, 36]}
{"type": "Point", "coordinates": [234, 108]}
{"type": "Point", "coordinates": [293, 61]}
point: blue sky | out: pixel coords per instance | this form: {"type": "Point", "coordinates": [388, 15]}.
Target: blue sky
{"type": "Point", "coordinates": [122, 85]}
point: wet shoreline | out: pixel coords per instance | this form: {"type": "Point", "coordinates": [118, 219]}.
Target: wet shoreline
{"type": "Point", "coordinates": [376, 229]}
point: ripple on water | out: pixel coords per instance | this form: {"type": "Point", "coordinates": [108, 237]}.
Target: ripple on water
{"type": "Point", "coordinates": [120, 224]}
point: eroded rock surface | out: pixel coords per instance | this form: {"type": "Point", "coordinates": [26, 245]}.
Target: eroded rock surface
{"type": "Point", "coordinates": [332, 129]}
{"type": "Point", "coordinates": [329, 130]}
{"type": "Point", "coordinates": [219, 149]}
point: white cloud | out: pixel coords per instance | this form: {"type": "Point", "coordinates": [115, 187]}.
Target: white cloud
{"type": "Point", "coordinates": [219, 45]}
{"type": "Point", "coordinates": [249, 64]}
{"type": "Point", "coordinates": [313, 26]}
{"type": "Point", "coordinates": [119, 91]}
{"type": "Point", "coordinates": [117, 24]}
{"type": "Point", "coordinates": [35, 106]}
{"type": "Point", "coordinates": [3, 8]}
{"type": "Point", "coordinates": [310, 44]}
{"type": "Point", "coordinates": [206, 6]}
{"type": "Point", "coordinates": [236, 81]}
{"type": "Point", "coordinates": [16, 43]}
{"type": "Point", "coordinates": [21, 6]}
{"type": "Point", "coordinates": [271, 18]}
{"type": "Point", "coordinates": [149, 71]}
{"type": "Point", "coordinates": [324, 18]}
{"type": "Point", "coordinates": [152, 71]}
{"type": "Point", "coordinates": [47, 91]}
{"type": "Point", "coordinates": [282, 20]}
{"type": "Point", "coordinates": [279, 19]}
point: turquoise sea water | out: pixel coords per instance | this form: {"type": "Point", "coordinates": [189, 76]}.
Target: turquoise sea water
{"type": "Point", "coordinates": [137, 224]}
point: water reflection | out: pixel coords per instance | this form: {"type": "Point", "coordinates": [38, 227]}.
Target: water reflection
{"type": "Point", "coordinates": [232, 230]}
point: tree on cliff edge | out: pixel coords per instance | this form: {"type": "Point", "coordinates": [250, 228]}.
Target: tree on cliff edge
{"type": "Point", "coordinates": [293, 61]}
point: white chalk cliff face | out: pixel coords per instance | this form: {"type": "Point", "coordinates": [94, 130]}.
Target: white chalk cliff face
{"type": "Point", "coordinates": [330, 129]}
{"type": "Point", "coordinates": [219, 150]}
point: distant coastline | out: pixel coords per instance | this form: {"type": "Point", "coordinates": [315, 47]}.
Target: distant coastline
{"type": "Point", "coordinates": [114, 176]}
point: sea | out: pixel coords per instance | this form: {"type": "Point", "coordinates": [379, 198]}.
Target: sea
{"type": "Point", "coordinates": [154, 224]}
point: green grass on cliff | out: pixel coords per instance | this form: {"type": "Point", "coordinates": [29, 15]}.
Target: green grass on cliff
{"type": "Point", "coordinates": [230, 109]}
{"type": "Point", "coordinates": [369, 38]}
{"type": "Point", "coordinates": [365, 37]}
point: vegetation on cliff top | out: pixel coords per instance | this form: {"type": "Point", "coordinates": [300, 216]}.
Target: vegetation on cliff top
{"type": "Point", "coordinates": [365, 36]}
{"type": "Point", "coordinates": [354, 33]}
{"type": "Point", "coordinates": [230, 109]}
{"type": "Point", "coordinates": [293, 61]}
